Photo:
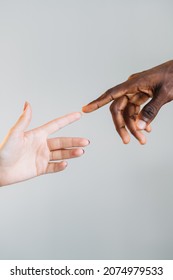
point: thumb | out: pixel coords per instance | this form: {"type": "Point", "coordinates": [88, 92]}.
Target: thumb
{"type": "Point", "coordinates": [150, 110]}
{"type": "Point", "coordinates": [24, 120]}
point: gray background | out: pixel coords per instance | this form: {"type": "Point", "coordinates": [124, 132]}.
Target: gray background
{"type": "Point", "coordinates": [115, 202]}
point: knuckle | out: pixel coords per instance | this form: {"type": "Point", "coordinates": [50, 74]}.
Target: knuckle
{"type": "Point", "coordinates": [109, 91]}
{"type": "Point", "coordinates": [131, 76]}
{"type": "Point", "coordinates": [168, 92]}
{"type": "Point", "coordinates": [134, 75]}
{"type": "Point", "coordinates": [113, 108]}
{"type": "Point", "coordinates": [149, 112]}
{"type": "Point", "coordinates": [117, 106]}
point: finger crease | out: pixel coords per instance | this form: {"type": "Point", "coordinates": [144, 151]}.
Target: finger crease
{"type": "Point", "coordinates": [132, 117]}
{"type": "Point", "coordinates": [123, 126]}
{"type": "Point", "coordinates": [146, 94]}
{"type": "Point", "coordinates": [111, 97]}
{"type": "Point", "coordinates": [120, 110]}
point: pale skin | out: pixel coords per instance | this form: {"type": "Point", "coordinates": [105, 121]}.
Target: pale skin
{"type": "Point", "coordinates": [27, 154]}
{"type": "Point", "coordinates": [126, 98]}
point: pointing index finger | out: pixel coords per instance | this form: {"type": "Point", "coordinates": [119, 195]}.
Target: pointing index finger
{"type": "Point", "coordinates": [59, 123]}
{"type": "Point", "coordinates": [110, 95]}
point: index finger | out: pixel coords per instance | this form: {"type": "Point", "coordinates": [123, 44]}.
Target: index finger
{"type": "Point", "coordinates": [110, 95]}
{"type": "Point", "coordinates": [59, 123]}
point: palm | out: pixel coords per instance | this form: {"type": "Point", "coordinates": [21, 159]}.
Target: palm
{"type": "Point", "coordinates": [30, 154]}
{"type": "Point", "coordinates": [24, 155]}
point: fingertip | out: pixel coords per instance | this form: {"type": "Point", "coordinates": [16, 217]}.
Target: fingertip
{"type": "Point", "coordinates": [84, 109]}
{"type": "Point", "coordinates": [63, 164]}
{"type": "Point", "coordinates": [25, 105]}
{"type": "Point", "coordinates": [27, 108]}
{"type": "Point", "coordinates": [74, 116]}
{"type": "Point", "coordinates": [89, 108]}
{"type": "Point", "coordinates": [79, 152]}
{"type": "Point", "coordinates": [126, 139]}
{"type": "Point", "coordinates": [148, 128]}
{"type": "Point", "coordinates": [58, 167]}
{"type": "Point", "coordinates": [143, 141]}
{"type": "Point", "coordinates": [141, 125]}
{"type": "Point", "coordinates": [84, 142]}
{"type": "Point", "coordinates": [78, 115]}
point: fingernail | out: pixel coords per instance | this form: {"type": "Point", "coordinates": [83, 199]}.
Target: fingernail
{"type": "Point", "coordinates": [88, 142]}
{"type": "Point", "coordinates": [65, 164]}
{"type": "Point", "coordinates": [25, 105]}
{"type": "Point", "coordinates": [141, 124]}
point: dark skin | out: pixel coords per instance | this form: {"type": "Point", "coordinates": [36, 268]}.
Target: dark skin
{"type": "Point", "coordinates": [154, 85]}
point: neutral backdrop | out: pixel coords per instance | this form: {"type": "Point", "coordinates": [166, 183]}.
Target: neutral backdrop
{"type": "Point", "coordinates": [115, 202]}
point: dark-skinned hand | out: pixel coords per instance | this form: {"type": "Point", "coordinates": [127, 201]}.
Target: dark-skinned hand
{"type": "Point", "coordinates": [155, 84]}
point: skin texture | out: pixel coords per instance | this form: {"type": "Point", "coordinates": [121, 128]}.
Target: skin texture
{"type": "Point", "coordinates": [154, 85]}
{"type": "Point", "coordinates": [27, 154]}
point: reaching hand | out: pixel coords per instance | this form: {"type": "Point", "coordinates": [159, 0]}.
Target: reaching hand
{"type": "Point", "coordinates": [26, 154]}
{"type": "Point", "coordinates": [155, 83]}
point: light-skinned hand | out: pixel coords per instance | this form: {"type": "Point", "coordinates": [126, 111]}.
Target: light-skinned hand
{"type": "Point", "coordinates": [27, 154]}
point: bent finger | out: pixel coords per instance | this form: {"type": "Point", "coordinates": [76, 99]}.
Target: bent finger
{"type": "Point", "coordinates": [117, 111]}
{"type": "Point", "coordinates": [151, 109]}
{"type": "Point", "coordinates": [130, 114]}
{"type": "Point", "coordinates": [148, 128]}
{"type": "Point", "coordinates": [139, 98]}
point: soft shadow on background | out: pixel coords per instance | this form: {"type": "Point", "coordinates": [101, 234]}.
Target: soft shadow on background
{"type": "Point", "coordinates": [115, 202]}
